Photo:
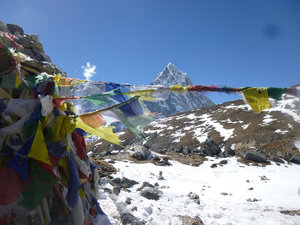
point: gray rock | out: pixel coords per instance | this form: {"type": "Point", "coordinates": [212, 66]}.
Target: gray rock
{"type": "Point", "coordinates": [141, 154]}
{"type": "Point", "coordinates": [116, 190]}
{"type": "Point", "coordinates": [296, 159]}
{"type": "Point", "coordinates": [145, 184]}
{"type": "Point", "coordinates": [194, 197]}
{"type": "Point", "coordinates": [127, 183]}
{"type": "Point", "coordinates": [13, 28]}
{"type": "Point", "coordinates": [128, 218]}
{"type": "Point", "coordinates": [186, 150]}
{"type": "Point", "coordinates": [256, 156]}
{"type": "Point", "coordinates": [150, 193]}
{"type": "Point", "coordinates": [278, 160]}
{"type": "Point", "coordinates": [231, 152]}
{"type": "Point", "coordinates": [210, 148]}
{"type": "Point", "coordinates": [128, 201]}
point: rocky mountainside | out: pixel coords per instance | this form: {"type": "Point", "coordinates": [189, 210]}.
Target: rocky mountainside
{"type": "Point", "coordinates": [228, 128]}
{"type": "Point", "coordinates": [176, 103]}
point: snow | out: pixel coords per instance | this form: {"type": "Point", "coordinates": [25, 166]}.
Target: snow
{"type": "Point", "coordinates": [246, 126]}
{"type": "Point", "coordinates": [208, 122]}
{"type": "Point", "coordinates": [281, 131]}
{"type": "Point", "coordinates": [267, 120]}
{"type": "Point", "coordinates": [278, 192]}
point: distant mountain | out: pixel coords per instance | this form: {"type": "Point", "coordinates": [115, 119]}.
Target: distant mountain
{"type": "Point", "coordinates": [176, 103]}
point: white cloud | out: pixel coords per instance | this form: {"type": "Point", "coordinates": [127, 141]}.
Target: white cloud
{"type": "Point", "coordinates": [88, 70]}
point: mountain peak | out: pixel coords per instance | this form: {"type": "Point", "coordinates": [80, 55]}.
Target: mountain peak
{"type": "Point", "coordinates": [171, 76]}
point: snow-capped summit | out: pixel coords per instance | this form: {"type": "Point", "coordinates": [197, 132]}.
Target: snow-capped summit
{"type": "Point", "coordinates": [176, 102]}
{"type": "Point", "coordinates": [171, 76]}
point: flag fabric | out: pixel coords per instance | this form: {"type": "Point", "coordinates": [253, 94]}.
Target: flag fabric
{"type": "Point", "coordinates": [41, 183]}
{"type": "Point", "coordinates": [102, 131]}
{"type": "Point", "coordinates": [257, 98]}
{"type": "Point", "coordinates": [39, 149]}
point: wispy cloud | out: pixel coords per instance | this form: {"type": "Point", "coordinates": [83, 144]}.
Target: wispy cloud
{"type": "Point", "coordinates": [88, 70]}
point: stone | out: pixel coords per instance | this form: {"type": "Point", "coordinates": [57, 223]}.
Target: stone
{"type": "Point", "coordinates": [256, 156]}
{"type": "Point", "coordinates": [128, 218]}
{"type": "Point", "coordinates": [127, 183]}
{"type": "Point", "coordinates": [210, 148]}
{"type": "Point", "coordinates": [128, 201]}
{"type": "Point", "coordinates": [145, 184]}
{"type": "Point", "coordinates": [13, 28]}
{"type": "Point", "coordinates": [141, 154]}
{"type": "Point", "coordinates": [296, 159]}
{"type": "Point", "coordinates": [278, 160]}
{"type": "Point", "coordinates": [231, 152]}
{"type": "Point", "coordinates": [116, 190]}
{"type": "Point", "coordinates": [186, 150]}
{"type": "Point", "coordinates": [194, 197]}
{"type": "Point", "coordinates": [150, 193]}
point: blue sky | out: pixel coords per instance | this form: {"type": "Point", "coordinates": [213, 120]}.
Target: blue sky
{"type": "Point", "coordinates": [234, 43]}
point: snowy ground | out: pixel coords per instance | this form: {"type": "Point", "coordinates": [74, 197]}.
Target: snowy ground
{"type": "Point", "coordinates": [223, 193]}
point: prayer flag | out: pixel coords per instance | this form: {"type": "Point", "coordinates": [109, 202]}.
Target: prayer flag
{"type": "Point", "coordinates": [257, 98]}
{"type": "Point", "coordinates": [103, 132]}
{"type": "Point", "coordinates": [39, 149]}
{"type": "Point", "coordinates": [40, 185]}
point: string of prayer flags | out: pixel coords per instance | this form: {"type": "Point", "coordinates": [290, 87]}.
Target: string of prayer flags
{"type": "Point", "coordinates": [213, 88]}
{"type": "Point", "coordinates": [257, 98]}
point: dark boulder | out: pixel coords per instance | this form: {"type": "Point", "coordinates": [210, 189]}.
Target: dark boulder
{"type": "Point", "coordinates": [13, 28]}
{"type": "Point", "coordinates": [296, 159]}
{"type": "Point", "coordinates": [128, 218]}
{"type": "Point", "coordinates": [256, 156]}
{"type": "Point", "coordinates": [141, 154]}
{"type": "Point", "coordinates": [210, 148]}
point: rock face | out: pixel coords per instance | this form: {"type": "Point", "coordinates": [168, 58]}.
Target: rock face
{"type": "Point", "coordinates": [176, 103]}
{"type": "Point", "coordinates": [31, 43]}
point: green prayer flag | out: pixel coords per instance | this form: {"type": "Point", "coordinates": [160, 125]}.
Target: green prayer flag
{"type": "Point", "coordinates": [40, 185]}
{"type": "Point", "coordinates": [276, 93]}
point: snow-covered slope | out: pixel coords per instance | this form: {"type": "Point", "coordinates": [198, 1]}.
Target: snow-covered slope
{"type": "Point", "coordinates": [176, 102]}
{"type": "Point", "coordinates": [229, 194]}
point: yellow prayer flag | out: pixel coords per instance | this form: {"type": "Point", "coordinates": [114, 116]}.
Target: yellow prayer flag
{"type": "Point", "coordinates": [145, 95]}
{"type": "Point", "coordinates": [257, 98]}
{"type": "Point", "coordinates": [103, 132]}
{"type": "Point", "coordinates": [39, 149]}
{"type": "Point", "coordinates": [179, 88]}
{"type": "Point", "coordinates": [66, 81]}
{"type": "Point", "coordinates": [62, 126]}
